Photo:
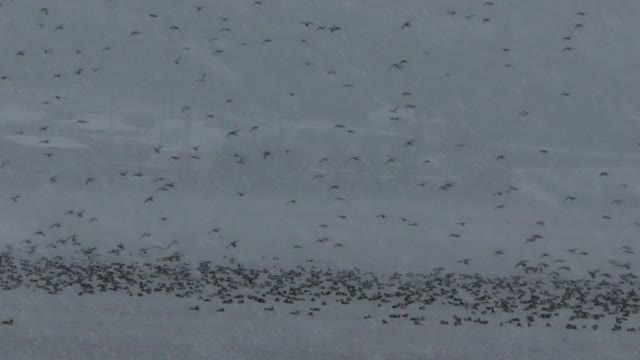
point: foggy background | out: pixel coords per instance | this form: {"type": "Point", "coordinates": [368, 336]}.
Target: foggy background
{"type": "Point", "coordinates": [398, 136]}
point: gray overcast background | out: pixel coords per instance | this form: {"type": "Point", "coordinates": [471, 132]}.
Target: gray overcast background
{"type": "Point", "coordinates": [478, 81]}
{"type": "Point", "coordinates": [396, 136]}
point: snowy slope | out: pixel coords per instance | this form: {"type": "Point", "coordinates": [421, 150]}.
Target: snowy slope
{"type": "Point", "coordinates": [396, 136]}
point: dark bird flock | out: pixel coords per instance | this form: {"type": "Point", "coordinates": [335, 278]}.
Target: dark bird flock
{"type": "Point", "coordinates": [229, 154]}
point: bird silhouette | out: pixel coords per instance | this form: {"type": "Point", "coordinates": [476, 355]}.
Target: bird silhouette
{"type": "Point", "coordinates": [232, 244]}
{"type": "Point", "coordinates": [399, 65]}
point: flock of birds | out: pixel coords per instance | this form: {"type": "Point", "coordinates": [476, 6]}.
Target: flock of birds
{"type": "Point", "coordinates": [540, 290]}
{"type": "Point", "coordinates": [467, 299]}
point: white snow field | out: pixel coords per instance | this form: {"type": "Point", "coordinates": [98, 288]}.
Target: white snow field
{"type": "Point", "coordinates": [496, 138]}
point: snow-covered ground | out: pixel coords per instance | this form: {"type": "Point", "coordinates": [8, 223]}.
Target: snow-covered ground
{"type": "Point", "coordinates": [115, 327]}
{"type": "Point", "coordinates": [468, 135]}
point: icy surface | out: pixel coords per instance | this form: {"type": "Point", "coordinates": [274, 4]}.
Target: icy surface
{"type": "Point", "coordinates": [389, 136]}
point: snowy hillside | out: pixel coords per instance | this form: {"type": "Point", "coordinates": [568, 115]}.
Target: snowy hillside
{"type": "Point", "coordinates": [498, 138]}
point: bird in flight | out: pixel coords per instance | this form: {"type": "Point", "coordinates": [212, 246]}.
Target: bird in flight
{"type": "Point", "coordinates": [232, 244]}
{"type": "Point", "coordinates": [399, 65]}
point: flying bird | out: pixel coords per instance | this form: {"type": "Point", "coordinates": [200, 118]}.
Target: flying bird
{"type": "Point", "coordinates": [408, 143]}
{"type": "Point", "coordinates": [232, 244]}
{"type": "Point", "coordinates": [214, 230]}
